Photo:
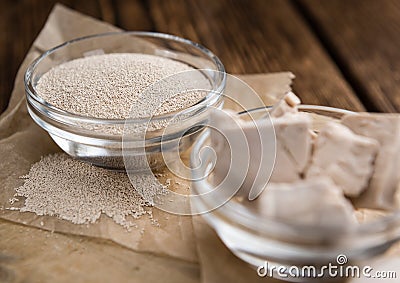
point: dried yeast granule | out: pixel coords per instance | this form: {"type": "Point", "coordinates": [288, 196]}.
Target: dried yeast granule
{"type": "Point", "coordinates": [106, 86]}
{"type": "Point", "coordinates": [59, 185]}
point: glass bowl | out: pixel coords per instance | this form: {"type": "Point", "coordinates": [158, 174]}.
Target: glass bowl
{"type": "Point", "coordinates": [257, 240]}
{"type": "Point", "coordinates": [100, 141]}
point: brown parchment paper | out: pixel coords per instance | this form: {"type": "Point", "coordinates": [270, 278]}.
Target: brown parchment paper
{"type": "Point", "coordinates": [22, 143]}
{"type": "Point", "coordinates": [217, 263]}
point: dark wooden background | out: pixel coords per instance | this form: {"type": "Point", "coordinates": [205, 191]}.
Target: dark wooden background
{"type": "Point", "coordinates": [345, 53]}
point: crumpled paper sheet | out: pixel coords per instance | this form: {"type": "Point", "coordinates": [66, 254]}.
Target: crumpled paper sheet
{"type": "Point", "coordinates": [217, 263]}
{"type": "Point", "coordinates": [22, 143]}
{"type": "Point", "coordinates": [34, 255]}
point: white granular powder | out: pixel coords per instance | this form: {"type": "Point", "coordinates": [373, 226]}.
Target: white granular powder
{"type": "Point", "coordinates": [59, 185]}
{"type": "Point", "coordinates": [106, 86]}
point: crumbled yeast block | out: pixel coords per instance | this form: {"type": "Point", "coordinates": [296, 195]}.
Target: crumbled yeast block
{"type": "Point", "coordinates": [316, 202]}
{"type": "Point", "coordinates": [385, 128]}
{"type": "Point", "coordinates": [366, 215]}
{"type": "Point", "coordinates": [238, 164]}
{"type": "Point", "coordinates": [345, 157]}
{"type": "Point", "coordinates": [293, 146]}
{"type": "Point", "coordinates": [287, 105]}
{"type": "Point", "coordinates": [293, 139]}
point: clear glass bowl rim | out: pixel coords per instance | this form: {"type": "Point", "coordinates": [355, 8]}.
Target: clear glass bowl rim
{"type": "Point", "coordinates": [215, 93]}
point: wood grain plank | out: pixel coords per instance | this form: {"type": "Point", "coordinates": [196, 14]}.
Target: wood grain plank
{"type": "Point", "coordinates": [133, 15]}
{"type": "Point", "coordinates": [259, 36]}
{"type": "Point", "coordinates": [249, 37]}
{"type": "Point", "coordinates": [8, 69]}
{"type": "Point", "coordinates": [108, 13]}
{"type": "Point", "coordinates": [364, 37]}
{"type": "Point", "coordinates": [20, 23]}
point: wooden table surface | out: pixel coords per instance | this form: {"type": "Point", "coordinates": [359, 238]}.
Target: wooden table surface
{"type": "Point", "coordinates": [344, 53]}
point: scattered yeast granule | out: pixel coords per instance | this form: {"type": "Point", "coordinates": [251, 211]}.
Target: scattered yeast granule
{"type": "Point", "coordinates": [106, 86]}
{"type": "Point", "coordinates": [59, 185]}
